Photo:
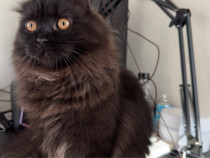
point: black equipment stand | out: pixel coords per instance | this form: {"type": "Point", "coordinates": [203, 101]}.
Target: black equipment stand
{"type": "Point", "coordinates": [109, 7]}
{"type": "Point", "coordinates": [182, 18]}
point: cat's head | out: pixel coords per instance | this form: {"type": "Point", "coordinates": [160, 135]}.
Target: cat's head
{"type": "Point", "coordinates": [52, 33]}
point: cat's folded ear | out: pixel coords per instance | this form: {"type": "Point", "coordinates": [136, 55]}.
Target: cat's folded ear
{"type": "Point", "coordinates": [84, 4]}
{"type": "Point", "coordinates": [21, 7]}
{"type": "Point", "coordinates": [18, 9]}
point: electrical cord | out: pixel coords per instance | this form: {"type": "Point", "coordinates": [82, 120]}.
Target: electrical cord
{"type": "Point", "coordinates": [171, 136]}
{"type": "Point", "coordinates": [4, 91]}
{"type": "Point", "coordinates": [154, 44]}
{"type": "Point", "coordinates": [155, 99]}
{"type": "Point", "coordinates": [129, 47]}
{"type": "Point", "coordinates": [5, 100]}
{"type": "Point", "coordinates": [138, 34]}
{"type": "Point", "coordinates": [131, 51]}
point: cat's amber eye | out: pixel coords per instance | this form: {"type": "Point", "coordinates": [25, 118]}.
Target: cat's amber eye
{"type": "Point", "coordinates": [64, 24]}
{"type": "Point", "coordinates": [31, 26]}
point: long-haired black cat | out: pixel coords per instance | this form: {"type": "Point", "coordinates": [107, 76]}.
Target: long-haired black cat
{"type": "Point", "coordinates": [78, 101]}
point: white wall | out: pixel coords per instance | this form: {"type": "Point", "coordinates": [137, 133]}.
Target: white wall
{"type": "Point", "coordinates": [149, 20]}
{"type": "Point", "coordinates": [8, 27]}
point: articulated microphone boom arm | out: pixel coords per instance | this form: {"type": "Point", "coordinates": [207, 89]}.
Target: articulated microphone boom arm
{"type": "Point", "coordinates": [182, 18]}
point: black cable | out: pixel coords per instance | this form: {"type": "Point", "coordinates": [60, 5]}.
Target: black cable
{"type": "Point", "coordinates": [100, 7]}
{"type": "Point", "coordinates": [108, 8]}
{"type": "Point", "coordinates": [155, 99]}
{"type": "Point", "coordinates": [138, 34]}
{"type": "Point", "coordinates": [133, 56]}
{"type": "Point", "coordinates": [5, 100]}
{"type": "Point", "coordinates": [106, 5]}
{"type": "Point", "coordinates": [4, 91]}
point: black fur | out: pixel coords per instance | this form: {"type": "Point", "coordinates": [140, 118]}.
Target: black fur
{"type": "Point", "coordinates": [78, 101]}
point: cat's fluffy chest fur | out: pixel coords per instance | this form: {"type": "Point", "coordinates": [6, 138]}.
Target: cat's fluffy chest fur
{"type": "Point", "coordinates": [72, 115]}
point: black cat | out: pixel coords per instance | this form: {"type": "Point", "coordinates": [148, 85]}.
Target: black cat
{"type": "Point", "coordinates": [78, 101]}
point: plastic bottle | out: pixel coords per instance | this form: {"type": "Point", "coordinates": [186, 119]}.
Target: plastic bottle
{"type": "Point", "coordinates": [163, 103]}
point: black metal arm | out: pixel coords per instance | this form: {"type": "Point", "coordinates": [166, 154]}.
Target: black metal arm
{"type": "Point", "coordinates": [182, 19]}
{"type": "Point", "coordinates": [110, 6]}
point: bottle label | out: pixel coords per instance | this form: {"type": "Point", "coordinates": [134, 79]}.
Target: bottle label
{"type": "Point", "coordinates": [158, 110]}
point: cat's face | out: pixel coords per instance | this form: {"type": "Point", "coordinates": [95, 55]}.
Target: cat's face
{"type": "Point", "coordinates": [53, 33]}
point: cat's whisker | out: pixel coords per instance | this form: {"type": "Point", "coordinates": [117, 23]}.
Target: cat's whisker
{"type": "Point", "coordinates": [75, 87]}
{"type": "Point", "coordinates": [77, 60]}
{"type": "Point", "coordinates": [68, 62]}
{"type": "Point", "coordinates": [86, 67]}
{"type": "Point", "coordinates": [92, 62]}
{"type": "Point", "coordinates": [26, 66]}
{"type": "Point", "coordinates": [20, 62]}
{"type": "Point", "coordinates": [74, 51]}
{"type": "Point", "coordinates": [67, 67]}
{"type": "Point", "coordinates": [84, 55]}
{"type": "Point", "coordinates": [22, 51]}
{"type": "Point", "coordinates": [29, 64]}
{"type": "Point", "coordinates": [56, 63]}
{"type": "Point", "coordinates": [70, 42]}
{"type": "Point", "coordinates": [96, 64]}
{"type": "Point", "coordinates": [34, 62]}
{"type": "Point", "coordinates": [52, 65]}
{"type": "Point", "coordinates": [81, 61]}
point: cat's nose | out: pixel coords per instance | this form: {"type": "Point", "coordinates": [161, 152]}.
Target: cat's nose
{"type": "Point", "coordinates": [42, 40]}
